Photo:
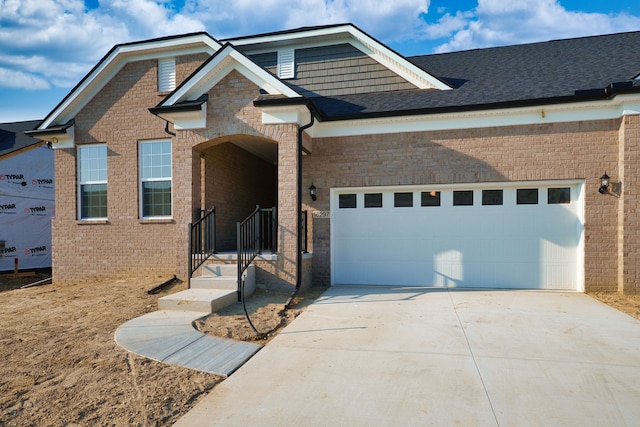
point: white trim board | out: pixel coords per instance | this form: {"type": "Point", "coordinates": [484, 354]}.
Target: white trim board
{"type": "Point", "coordinates": [618, 107]}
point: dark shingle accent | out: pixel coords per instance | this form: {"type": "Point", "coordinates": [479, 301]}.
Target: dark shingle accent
{"type": "Point", "coordinates": [13, 138]}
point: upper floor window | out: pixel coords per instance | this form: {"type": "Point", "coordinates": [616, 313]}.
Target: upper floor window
{"type": "Point", "coordinates": [92, 181]}
{"type": "Point", "coordinates": [166, 74]}
{"type": "Point", "coordinates": [155, 179]}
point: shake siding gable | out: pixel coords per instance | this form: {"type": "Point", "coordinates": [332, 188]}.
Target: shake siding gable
{"type": "Point", "coordinates": [341, 70]}
{"type": "Point", "coordinates": [335, 70]}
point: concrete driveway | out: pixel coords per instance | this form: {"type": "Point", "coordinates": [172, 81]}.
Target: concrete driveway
{"type": "Point", "coordinates": [381, 356]}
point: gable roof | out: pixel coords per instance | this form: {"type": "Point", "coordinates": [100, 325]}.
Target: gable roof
{"type": "Point", "coordinates": [338, 34]}
{"type": "Point", "coordinates": [13, 138]}
{"type": "Point", "coordinates": [115, 59]}
{"type": "Point", "coordinates": [185, 107]}
{"type": "Point", "coordinates": [560, 71]}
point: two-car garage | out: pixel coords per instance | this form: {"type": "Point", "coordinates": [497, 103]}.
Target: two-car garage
{"type": "Point", "coordinates": [526, 235]}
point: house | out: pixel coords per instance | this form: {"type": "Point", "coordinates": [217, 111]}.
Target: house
{"type": "Point", "coordinates": [508, 167]}
{"type": "Point", "coordinates": [26, 198]}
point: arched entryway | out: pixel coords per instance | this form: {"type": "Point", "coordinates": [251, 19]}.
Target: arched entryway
{"type": "Point", "coordinates": [237, 173]}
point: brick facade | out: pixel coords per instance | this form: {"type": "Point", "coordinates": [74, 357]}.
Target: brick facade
{"type": "Point", "coordinates": [209, 170]}
{"type": "Point", "coordinates": [579, 150]}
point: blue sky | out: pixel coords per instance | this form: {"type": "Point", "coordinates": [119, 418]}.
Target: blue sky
{"type": "Point", "coordinates": [47, 46]}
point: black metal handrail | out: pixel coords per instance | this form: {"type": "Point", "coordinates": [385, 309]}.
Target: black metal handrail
{"type": "Point", "coordinates": [202, 240]}
{"type": "Point", "coordinates": [305, 231]}
{"type": "Point", "coordinates": [248, 245]}
{"type": "Point", "coordinates": [269, 229]}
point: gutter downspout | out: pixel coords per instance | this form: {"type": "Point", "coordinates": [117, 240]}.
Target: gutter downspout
{"type": "Point", "coordinates": [166, 128]}
{"type": "Point", "coordinates": [299, 203]}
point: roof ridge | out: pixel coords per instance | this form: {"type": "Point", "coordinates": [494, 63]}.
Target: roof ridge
{"type": "Point", "coordinates": [569, 39]}
{"type": "Point", "coordinates": [290, 31]}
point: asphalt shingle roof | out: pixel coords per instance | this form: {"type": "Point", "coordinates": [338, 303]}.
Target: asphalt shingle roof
{"type": "Point", "coordinates": [12, 137]}
{"type": "Point", "coordinates": [528, 74]}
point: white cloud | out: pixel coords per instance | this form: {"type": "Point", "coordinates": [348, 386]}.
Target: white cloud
{"type": "Point", "coordinates": [58, 41]}
{"type": "Point", "coordinates": [388, 21]}
{"type": "Point", "coordinates": [503, 22]}
{"type": "Point", "coordinates": [17, 79]}
{"type": "Point", "coordinates": [448, 25]}
{"type": "Point", "coordinates": [55, 42]}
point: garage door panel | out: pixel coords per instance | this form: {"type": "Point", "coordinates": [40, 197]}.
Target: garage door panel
{"type": "Point", "coordinates": [501, 246]}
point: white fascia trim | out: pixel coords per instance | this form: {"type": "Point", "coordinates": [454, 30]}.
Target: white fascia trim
{"type": "Point", "coordinates": [292, 37]}
{"type": "Point", "coordinates": [61, 140]}
{"type": "Point", "coordinates": [396, 63]}
{"type": "Point", "coordinates": [111, 65]}
{"type": "Point", "coordinates": [580, 111]}
{"type": "Point", "coordinates": [361, 41]}
{"type": "Point", "coordinates": [222, 65]}
{"type": "Point", "coordinates": [187, 119]}
{"type": "Point", "coordinates": [298, 114]}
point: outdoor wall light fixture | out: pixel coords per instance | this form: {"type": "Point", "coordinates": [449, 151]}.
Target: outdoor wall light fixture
{"type": "Point", "coordinates": [604, 183]}
{"type": "Point", "coordinates": [312, 192]}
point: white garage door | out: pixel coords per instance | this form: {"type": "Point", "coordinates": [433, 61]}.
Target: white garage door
{"type": "Point", "coordinates": [522, 235]}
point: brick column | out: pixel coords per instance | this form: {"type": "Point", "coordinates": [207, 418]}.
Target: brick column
{"type": "Point", "coordinates": [287, 204]}
{"type": "Point", "coordinates": [629, 208]}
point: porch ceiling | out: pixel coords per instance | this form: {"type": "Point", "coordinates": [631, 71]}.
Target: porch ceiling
{"type": "Point", "coordinates": [267, 151]}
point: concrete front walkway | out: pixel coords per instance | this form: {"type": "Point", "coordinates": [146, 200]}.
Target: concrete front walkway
{"type": "Point", "coordinates": [169, 337]}
{"type": "Point", "coordinates": [378, 356]}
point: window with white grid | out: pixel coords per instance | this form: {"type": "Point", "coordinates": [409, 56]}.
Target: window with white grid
{"type": "Point", "coordinates": [92, 181]}
{"type": "Point", "coordinates": [155, 179]}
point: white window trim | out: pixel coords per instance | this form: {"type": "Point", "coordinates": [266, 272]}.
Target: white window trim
{"type": "Point", "coordinates": [81, 183]}
{"type": "Point", "coordinates": [141, 181]}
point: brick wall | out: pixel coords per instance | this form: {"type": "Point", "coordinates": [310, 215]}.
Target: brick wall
{"type": "Point", "coordinates": [236, 181]}
{"type": "Point", "coordinates": [580, 150]}
{"type": "Point", "coordinates": [628, 221]}
{"type": "Point", "coordinates": [231, 115]}
{"type": "Point", "coordinates": [124, 245]}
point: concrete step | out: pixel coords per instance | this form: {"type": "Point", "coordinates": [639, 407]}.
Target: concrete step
{"type": "Point", "coordinates": [214, 282]}
{"type": "Point", "coordinates": [224, 276]}
{"type": "Point", "coordinates": [220, 270]}
{"type": "Point", "coordinates": [198, 300]}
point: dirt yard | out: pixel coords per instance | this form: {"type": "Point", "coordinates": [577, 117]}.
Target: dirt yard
{"type": "Point", "coordinates": [61, 367]}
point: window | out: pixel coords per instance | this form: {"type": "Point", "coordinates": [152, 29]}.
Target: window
{"type": "Point", "coordinates": [166, 74]}
{"type": "Point", "coordinates": [402, 200]}
{"type": "Point", "coordinates": [559, 195]}
{"type": "Point", "coordinates": [527, 196]}
{"type": "Point", "coordinates": [155, 179]}
{"type": "Point", "coordinates": [92, 181]}
{"type": "Point", "coordinates": [347, 201]}
{"type": "Point", "coordinates": [373, 200]}
{"type": "Point", "coordinates": [430, 198]}
{"type": "Point", "coordinates": [463, 198]}
{"type": "Point", "coordinates": [491, 197]}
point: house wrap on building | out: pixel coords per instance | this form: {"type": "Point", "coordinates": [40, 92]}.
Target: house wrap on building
{"type": "Point", "coordinates": [480, 168]}
{"type": "Point", "coordinates": [26, 198]}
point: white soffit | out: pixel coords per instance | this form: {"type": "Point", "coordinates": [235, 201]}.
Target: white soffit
{"type": "Point", "coordinates": [109, 66]}
{"type": "Point", "coordinates": [215, 70]}
{"type": "Point", "coordinates": [345, 34]}
{"type": "Point", "coordinates": [620, 106]}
